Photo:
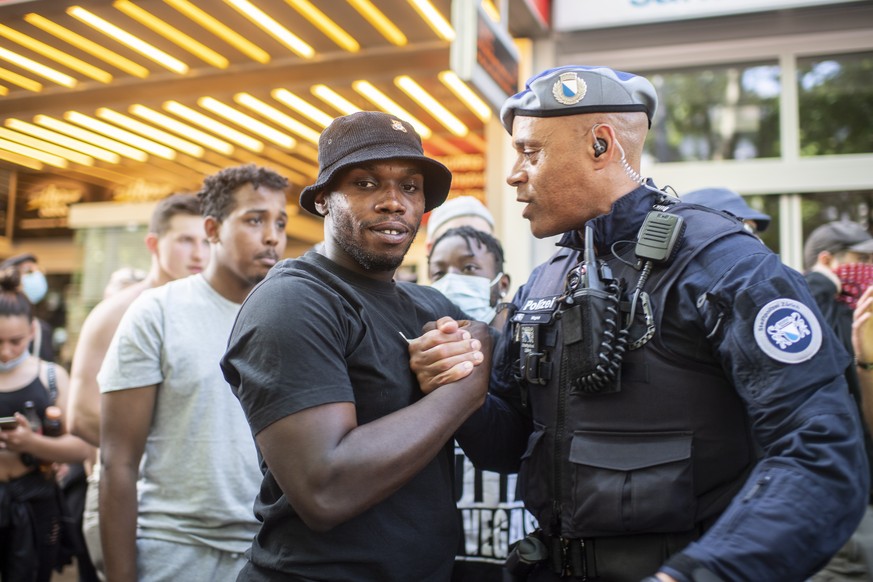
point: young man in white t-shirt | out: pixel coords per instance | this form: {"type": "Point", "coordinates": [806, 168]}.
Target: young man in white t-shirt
{"type": "Point", "coordinates": [187, 514]}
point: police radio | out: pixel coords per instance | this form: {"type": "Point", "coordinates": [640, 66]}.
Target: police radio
{"type": "Point", "coordinates": [594, 341]}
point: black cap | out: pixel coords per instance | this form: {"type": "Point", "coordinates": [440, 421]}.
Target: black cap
{"type": "Point", "coordinates": [725, 199]}
{"type": "Point", "coordinates": [836, 236]}
{"type": "Point", "coordinates": [370, 136]}
{"type": "Point", "coordinates": [17, 260]}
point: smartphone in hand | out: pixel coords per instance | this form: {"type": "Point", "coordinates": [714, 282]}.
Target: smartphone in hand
{"type": "Point", "coordinates": [8, 422]}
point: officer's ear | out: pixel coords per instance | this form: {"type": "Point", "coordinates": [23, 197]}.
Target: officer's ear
{"type": "Point", "coordinates": [320, 203]}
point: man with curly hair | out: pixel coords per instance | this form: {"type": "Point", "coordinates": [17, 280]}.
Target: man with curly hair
{"type": "Point", "coordinates": [180, 471]}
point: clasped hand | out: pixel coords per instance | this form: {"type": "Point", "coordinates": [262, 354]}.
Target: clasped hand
{"type": "Point", "coordinates": [448, 351]}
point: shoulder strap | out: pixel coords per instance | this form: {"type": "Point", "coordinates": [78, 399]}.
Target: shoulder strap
{"type": "Point", "coordinates": [52, 382]}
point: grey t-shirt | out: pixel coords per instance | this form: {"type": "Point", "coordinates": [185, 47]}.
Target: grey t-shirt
{"type": "Point", "coordinates": [199, 474]}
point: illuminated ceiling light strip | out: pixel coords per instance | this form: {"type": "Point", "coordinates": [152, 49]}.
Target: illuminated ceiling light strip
{"type": "Point", "coordinates": [57, 55]}
{"type": "Point", "coordinates": [434, 19]}
{"type": "Point", "coordinates": [447, 147]}
{"type": "Point", "coordinates": [182, 129]}
{"type": "Point", "coordinates": [25, 161]}
{"type": "Point", "coordinates": [20, 80]}
{"type": "Point", "coordinates": [388, 105]}
{"type": "Point", "coordinates": [63, 140]}
{"type": "Point", "coordinates": [491, 10]}
{"type": "Point", "coordinates": [38, 68]}
{"type": "Point", "coordinates": [306, 151]}
{"type": "Point", "coordinates": [121, 135]}
{"type": "Point", "coordinates": [247, 121]}
{"type": "Point", "coordinates": [4, 90]}
{"type": "Point", "coordinates": [479, 108]}
{"type": "Point", "coordinates": [46, 158]}
{"type": "Point", "coordinates": [277, 116]}
{"type": "Point", "coordinates": [292, 162]}
{"type": "Point", "coordinates": [150, 132]}
{"type": "Point", "coordinates": [90, 47]}
{"type": "Point", "coordinates": [291, 100]}
{"type": "Point", "coordinates": [273, 28]}
{"type": "Point", "coordinates": [379, 21]}
{"type": "Point", "coordinates": [172, 34]}
{"type": "Point", "coordinates": [433, 107]}
{"type": "Point", "coordinates": [330, 28]}
{"type": "Point", "coordinates": [214, 126]}
{"type": "Point", "coordinates": [334, 99]}
{"type": "Point", "coordinates": [223, 32]}
{"type": "Point", "coordinates": [45, 146]}
{"type": "Point", "coordinates": [91, 137]}
{"type": "Point", "coordinates": [125, 38]}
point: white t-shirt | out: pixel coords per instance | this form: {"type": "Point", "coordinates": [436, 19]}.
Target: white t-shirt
{"type": "Point", "coordinates": [199, 474]}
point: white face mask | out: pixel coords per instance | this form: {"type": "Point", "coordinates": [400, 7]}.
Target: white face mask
{"type": "Point", "coordinates": [14, 362]}
{"type": "Point", "coordinates": [470, 293]}
{"type": "Point", "coordinates": [34, 286]}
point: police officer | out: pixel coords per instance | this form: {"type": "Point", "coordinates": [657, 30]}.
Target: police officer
{"type": "Point", "coordinates": [673, 404]}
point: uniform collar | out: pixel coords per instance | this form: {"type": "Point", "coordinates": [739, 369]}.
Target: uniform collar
{"type": "Point", "coordinates": [623, 222]}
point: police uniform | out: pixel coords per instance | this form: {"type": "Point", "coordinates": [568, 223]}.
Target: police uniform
{"type": "Point", "coordinates": [723, 447]}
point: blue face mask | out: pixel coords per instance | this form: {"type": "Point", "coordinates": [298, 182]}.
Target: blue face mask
{"type": "Point", "coordinates": [470, 293]}
{"type": "Point", "coordinates": [34, 286]}
{"type": "Point", "coordinates": [14, 362]}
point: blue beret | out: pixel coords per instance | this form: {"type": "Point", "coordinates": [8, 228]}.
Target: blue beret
{"type": "Point", "coordinates": [724, 199]}
{"type": "Point", "coordinates": [576, 89]}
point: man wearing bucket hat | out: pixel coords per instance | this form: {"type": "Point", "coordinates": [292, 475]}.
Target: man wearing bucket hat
{"type": "Point", "coordinates": [357, 461]}
{"type": "Point", "coordinates": [730, 201]}
{"type": "Point", "coordinates": [667, 390]}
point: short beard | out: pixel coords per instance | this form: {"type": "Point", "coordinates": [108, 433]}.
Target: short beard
{"type": "Point", "coordinates": [344, 231]}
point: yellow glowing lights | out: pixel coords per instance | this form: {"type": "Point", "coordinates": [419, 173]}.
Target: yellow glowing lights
{"type": "Point", "coordinates": [147, 50]}
{"type": "Point", "coordinates": [63, 140]}
{"type": "Point", "coordinates": [37, 68]}
{"type": "Point", "coordinates": [388, 105]}
{"type": "Point", "coordinates": [44, 157]}
{"type": "Point", "coordinates": [45, 146]}
{"type": "Point", "coordinates": [90, 47]}
{"type": "Point", "coordinates": [223, 32]}
{"type": "Point", "coordinates": [334, 99]}
{"type": "Point", "coordinates": [172, 34]}
{"type": "Point", "coordinates": [56, 55]}
{"type": "Point", "coordinates": [91, 137]}
{"type": "Point", "coordinates": [248, 122]}
{"type": "Point", "coordinates": [121, 135]}
{"type": "Point", "coordinates": [330, 28]}
{"type": "Point", "coordinates": [291, 100]}
{"type": "Point", "coordinates": [150, 132]}
{"type": "Point", "coordinates": [273, 28]}
{"type": "Point", "coordinates": [20, 80]}
{"type": "Point", "coordinates": [379, 21]}
{"type": "Point", "coordinates": [434, 107]}
{"type": "Point", "coordinates": [214, 126]}
{"type": "Point", "coordinates": [481, 109]}
{"type": "Point", "coordinates": [192, 133]}
{"type": "Point", "coordinates": [434, 19]}
{"type": "Point", "coordinates": [277, 116]}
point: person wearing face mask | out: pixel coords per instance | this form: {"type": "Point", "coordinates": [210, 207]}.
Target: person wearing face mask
{"type": "Point", "coordinates": [34, 286]}
{"type": "Point", "coordinates": [838, 261]}
{"type": "Point", "coordinates": [466, 265]}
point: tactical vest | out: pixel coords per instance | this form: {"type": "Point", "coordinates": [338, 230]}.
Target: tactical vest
{"type": "Point", "coordinates": [662, 454]}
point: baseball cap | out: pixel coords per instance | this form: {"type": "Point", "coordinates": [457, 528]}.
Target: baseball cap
{"type": "Point", "coordinates": [371, 136]}
{"type": "Point", "coordinates": [836, 236]}
{"type": "Point", "coordinates": [16, 260]}
{"type": "Point", "coordinates": [724, 199]}
{"type": "Point", "coordinates": [575, 89]}
{"type": "Point", "coordinates": [455, 208]}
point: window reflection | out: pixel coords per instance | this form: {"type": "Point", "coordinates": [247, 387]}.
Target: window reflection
{"type": "Point", "coordinates": [716, 113]}
{"type": "Point", "coordinates": [835, 95]}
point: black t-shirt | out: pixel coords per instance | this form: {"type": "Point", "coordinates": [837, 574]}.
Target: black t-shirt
{"type": "Point", "coordinates": [314, 333]}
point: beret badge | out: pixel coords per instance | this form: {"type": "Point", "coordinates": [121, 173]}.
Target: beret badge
{"type": "Point", "coordinates": [569, 89]}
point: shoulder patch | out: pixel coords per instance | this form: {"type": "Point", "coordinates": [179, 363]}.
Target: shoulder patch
{"type": "Point", "coordinates": [787, 331]}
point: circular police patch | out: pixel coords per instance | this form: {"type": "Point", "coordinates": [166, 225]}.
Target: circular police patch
{"type": "Point", "coordinates": [787, 331]}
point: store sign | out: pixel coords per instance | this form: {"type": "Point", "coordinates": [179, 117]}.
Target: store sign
{"type": "Point", "coordinates": [483, 54]}
{"type": "Point", "coordinates": [587, 14]}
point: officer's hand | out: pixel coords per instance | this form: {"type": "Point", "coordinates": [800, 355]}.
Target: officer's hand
{"type": "Point", "coordinates": [447, 352]}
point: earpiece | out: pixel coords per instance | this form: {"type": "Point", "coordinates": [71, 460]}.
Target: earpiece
{"type": "Point", "coordinates": [599, 147]}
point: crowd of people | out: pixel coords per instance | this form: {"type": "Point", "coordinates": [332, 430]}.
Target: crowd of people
{"type": "Point", "coordinates": [661, 400]}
